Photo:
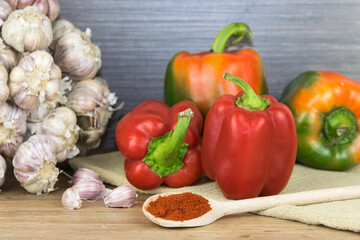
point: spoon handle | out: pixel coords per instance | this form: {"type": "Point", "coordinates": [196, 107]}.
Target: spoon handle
{"type": "Point", "coordinates": [299, 198]}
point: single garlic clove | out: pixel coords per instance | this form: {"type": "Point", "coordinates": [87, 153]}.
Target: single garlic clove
{"type": "Point", "coordinates": [84, 174]}
{"type": "Point", "coordinates": [35, 80]}
{"type": "Point", "coordinates": [27, 30]}
{"type": "Point", "coordinates": [123, 196]}
{"type": "Point", "coordinates": [60, 126]}
{"type": "Point", "coordinates": [4, 89]}
{"type": "Point", "coordinates": [54, 9]}
{"type": "Point", "coordinates": [90, 189]}
{"type": "Point", "coordinates": [2, 170]}
{"type": "Point", "coordinates": [35, 164]}
{"type": "Point", "coordinates": [71, 199]}
{"type": "Point", "coordinates": [12, 128]}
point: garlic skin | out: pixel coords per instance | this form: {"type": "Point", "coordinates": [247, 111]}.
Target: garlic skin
{"type": "Point", "coordinates": [85, 174]}
{"type": "Point", "coordinates": [5, 10]}
{"type": "Point", "coordinates": [71, 199]}
{"type": "Point", "coordinates": [35, 80]}
{"type": "Point", "coordinates": [12, 128]}
{"type": "Point", "coordinates": [123, 196]}
{"type": "Point", "coordinates": [8, 56]}
{"type": "Point", "coordinates": [34, 164]}
{"type": "Point", "coordinates": [77, 56]}
{"type": "Point", "coordinates": [27, 30]}
{"type": "Point", "coordinates": [60, 126]}
{"type": "Point", "coordinates": [4, 89]}
{"type": "Point", "coordinates": [91, 101]}
{"type": "Point", "coordinates": [2, 170]}
{"type": "Point", "coordinates": [90, 189]}
{"type": "Point", "coordinates": [51, 8]}
{"type": "Point", "coordinates": [60, 28]}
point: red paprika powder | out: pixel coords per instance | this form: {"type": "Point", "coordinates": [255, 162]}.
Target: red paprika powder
{"type": "Point", "coordinates": [179, 207]}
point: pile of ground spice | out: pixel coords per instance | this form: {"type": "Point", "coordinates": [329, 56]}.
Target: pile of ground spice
{"type": "Point", "coordinates": [179, 207]}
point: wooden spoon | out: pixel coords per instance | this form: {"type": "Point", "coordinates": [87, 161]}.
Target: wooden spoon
{"type": "Point", "coordinates": [223, 208]}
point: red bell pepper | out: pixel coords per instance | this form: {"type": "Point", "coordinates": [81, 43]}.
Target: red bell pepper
{"type": "Point", "coordinates": [161, 144]}
{"type": "Point", "coordinates": [249, 144]}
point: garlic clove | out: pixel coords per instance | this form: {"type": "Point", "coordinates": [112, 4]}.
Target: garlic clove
{"type": "Point", "coordinates": [5, 10]}
{"type": "Point", "coordinates": [90, 189]}
{"type": "Point", "coordinates": [2, 170]}
{"type": "Point", "coordinates": [84, 174]}
{"type": "Point", "coordinates": [71, 199]}
{"type": "Point", "coordinates": [123, 196]}
{"type": "Point", "coordinates": [54, 9]}
{"type": "Point", "coordinates": [35, 164]}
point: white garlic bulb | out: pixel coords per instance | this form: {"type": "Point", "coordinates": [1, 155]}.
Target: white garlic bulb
{"type": "Point", "coordinates": [77, 56]}
{"type": "Point", "coordinates": [2, 170]}
{"type": "Point", "coordinates": [91, 101]}
{"type": "Point", "coordinates": [5, 10]}
{"type": "Point", "coordinates": [27, 30]}
{"type": "Point", "coordinates": [8, 56]}
{"type": "Point", "coordinates": [4, 89]}
{"type": "Point", "coordinates": [37, 114]}
{"type": "Point", "coordinates": [84, 174]}
{"type": "Point", "coordinates": [60, 126]}
{"type": "Point", "coordinates": [12, 128]}
{"type": "Point", "coordinates": [35, 80]}
{"type": "Point", "coordinates": [71, 199]}
{"type": "Point", "coordinates": [123, 196]}
{"type": "Point", "coordinates": [34, 164]}
{"type": "Point", "coordinates": [50, 8]}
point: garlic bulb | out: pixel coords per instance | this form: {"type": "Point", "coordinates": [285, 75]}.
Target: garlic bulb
{"type": "Point", "coordinates": [50, 8]}
{"type": "Point", "coordinates": [90, 189]}
{"type": "Point", "coordinates": [34, 164]}
{"type": "Point", "coordinates": [60, 126]}
{"type": "Point", "coordinates": [91, 101]}
{"type": "Point", "coordinates": [77, 56]}
{"type": "Point", "coordinates": [123, 196]}
{"type": "Point", "coordinates": [8, 56]}
{"type": "Point", "coordinates": [84, 174]}
{"type": "Point", "coordinates": [71, 199]}
{"type": "Point", "coordinates": [27, 30]}
{"type": "Point", "coordinates": [4, 89]}
{"type": "Point", "coordinates": [12, 128]}
{"type": "Point", "coordinates": [2, 170]}
{"type": "Point", "coordinates": [5, 10]}
{"type": "Point", "coordinates": [37, 114]}
{"type": "Point", "coordinates": [35, 80]}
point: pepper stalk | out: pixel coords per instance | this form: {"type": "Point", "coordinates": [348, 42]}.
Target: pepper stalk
{"type": "Point", "coordinates": [165, 153]}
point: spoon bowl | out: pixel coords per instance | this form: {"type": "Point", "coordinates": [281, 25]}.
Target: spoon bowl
{"type": "Point", "coordinates": [223, 208]}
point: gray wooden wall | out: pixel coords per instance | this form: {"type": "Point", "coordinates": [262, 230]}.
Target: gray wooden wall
{"type": "Point", "coordinates": [138, 38]}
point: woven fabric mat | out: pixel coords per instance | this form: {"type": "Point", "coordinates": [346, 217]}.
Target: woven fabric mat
{"type": "Point", "coordinates": [343, 215]}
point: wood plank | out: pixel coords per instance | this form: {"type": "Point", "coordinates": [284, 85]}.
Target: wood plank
{"type": "Point", "coordinates": [28, 216]}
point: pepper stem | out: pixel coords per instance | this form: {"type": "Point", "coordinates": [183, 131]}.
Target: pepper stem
{"type": "Point", "coordinates": [239, 30]}
{"type": "Point", "coordinates": [165, 153]}
{"type": "Point", "coordinates": [250, 100]}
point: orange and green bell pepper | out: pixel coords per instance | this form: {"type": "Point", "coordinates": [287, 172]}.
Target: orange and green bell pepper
{"type": "Point", "coordinates": [199, 77]}
{"type": "Point", "coordinates": [326, 108]}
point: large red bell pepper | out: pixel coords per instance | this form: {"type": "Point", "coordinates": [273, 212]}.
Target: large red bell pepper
{"type": "Point", "coordinates": [249, 144]}
{"type": "Point", "coordinates": [161, 144]}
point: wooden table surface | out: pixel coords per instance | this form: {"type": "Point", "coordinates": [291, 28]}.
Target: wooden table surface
{"type": "Point", "coordinates": [28, 216]}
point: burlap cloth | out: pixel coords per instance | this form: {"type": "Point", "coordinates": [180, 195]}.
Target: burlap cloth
{"type": "Point", "coordinates": [344, 215]}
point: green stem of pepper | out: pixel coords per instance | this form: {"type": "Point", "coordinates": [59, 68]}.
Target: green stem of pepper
{"type": "Point", "coordinates": [250, 100]}
{"type": "Point", "coordinates": [239, 30]}
{"type": "Point", "coordinates": [165, 153]}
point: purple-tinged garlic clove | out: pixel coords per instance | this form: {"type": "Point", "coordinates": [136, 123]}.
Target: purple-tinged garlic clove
{"type": "Point", "coordinates": [123, 196]}
{"type": "Point", "coordinates": [71, 199]}
{"type": "Point", "coordinates": [90, 189]}
{"type": "Point", "coordinates": [85, 174]}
